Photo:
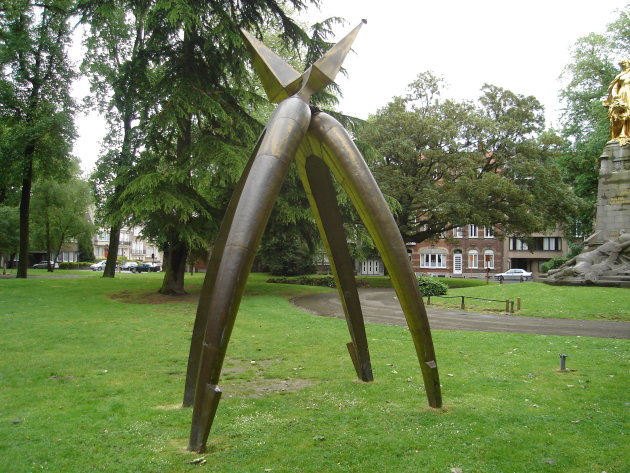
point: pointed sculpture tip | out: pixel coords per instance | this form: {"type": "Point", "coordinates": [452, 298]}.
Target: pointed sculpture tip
{"type": "Point", "coordinates": [364, 21]}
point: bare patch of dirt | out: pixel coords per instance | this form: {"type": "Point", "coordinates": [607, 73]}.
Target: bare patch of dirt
{"type": "Point", "coordinates": [262, 387]}
{"type": "Point", "coordinates": [169, 407]}
{"type": "Point", "coordinates": [131, 297]}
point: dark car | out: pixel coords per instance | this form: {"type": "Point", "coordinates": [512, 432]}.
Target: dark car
{"type": "Point", "coordinates": [146, 268]}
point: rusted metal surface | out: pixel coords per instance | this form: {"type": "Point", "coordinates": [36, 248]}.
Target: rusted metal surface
{"type": "Point", "coordinates": [323, 144]}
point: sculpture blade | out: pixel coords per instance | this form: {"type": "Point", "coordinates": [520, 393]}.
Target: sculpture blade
{"type": "Point", "coordinates": [326, 68]}
{"type": "Point", "coordinates": [278, 78]}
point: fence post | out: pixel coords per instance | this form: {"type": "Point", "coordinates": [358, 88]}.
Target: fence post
{"type": "Point", "coordinates": [507, 306]}
{"type": "Point", "coordinates": [511, 307]}
{"type": "Point", "coordinates": [463, 304]}
{"type": "Point", "coordinates": [518, 304]}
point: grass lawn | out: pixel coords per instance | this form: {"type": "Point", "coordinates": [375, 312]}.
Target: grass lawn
{"type": "Point", "coordinates": [543, 300]}
{"type": "Point", "coordinates": [92, 383]}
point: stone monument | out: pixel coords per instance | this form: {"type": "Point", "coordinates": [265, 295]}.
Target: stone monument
{"type": "Point", "coordinates": [606, 261]}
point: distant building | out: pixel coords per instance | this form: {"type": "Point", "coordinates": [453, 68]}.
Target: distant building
{"type": "Point", "coordinates": [475, 252]}
{"type": "Point", "coordinates": [131, 246]}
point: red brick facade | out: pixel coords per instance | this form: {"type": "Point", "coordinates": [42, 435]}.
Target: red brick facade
{"type": "Point", "coordinates": [469, 251]}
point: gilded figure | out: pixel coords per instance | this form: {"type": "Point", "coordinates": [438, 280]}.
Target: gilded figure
{"type": "Point", "coordinates": [618, 103]}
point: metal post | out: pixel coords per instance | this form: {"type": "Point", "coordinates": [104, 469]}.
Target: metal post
{"type": "Point", "coordinates": [511, 307]}
{"type": "Point", "coordinates": [463, 304]}
{"type": "Point", "coordinates": [563, 362]}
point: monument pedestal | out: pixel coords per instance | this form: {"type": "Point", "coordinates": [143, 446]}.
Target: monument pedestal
{"type": "Point", "coordinates": [613, 195]}
{"type": "Point", "coordinates": [606, 259]}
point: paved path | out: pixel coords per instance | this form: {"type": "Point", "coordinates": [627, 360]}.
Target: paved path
{"type": "Point", "coordinates": [380, 306]}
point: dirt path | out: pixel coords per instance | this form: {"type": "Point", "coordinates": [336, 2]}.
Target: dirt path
{"type": "Point", "coordinates": [380, 306]}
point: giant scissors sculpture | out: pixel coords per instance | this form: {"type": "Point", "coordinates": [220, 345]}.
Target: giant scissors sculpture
{"type": "Point", "coordinates": [319, 144]}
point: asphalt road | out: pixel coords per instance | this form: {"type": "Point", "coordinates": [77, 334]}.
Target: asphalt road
{"type": "Point", "coordinates": [380, 306]}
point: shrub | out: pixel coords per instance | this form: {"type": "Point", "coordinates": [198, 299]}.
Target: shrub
{"type": "Point", "coordinates": [553, 263]}
{"type": "Point", "coordinates": [287, 256]}
{"type": "Point", "coordinates": [327, 281]}
{"type": "Point", "coordinates": [431, 286]}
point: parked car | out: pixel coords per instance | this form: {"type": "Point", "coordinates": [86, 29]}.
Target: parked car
{"type": "Point", "coordinates": [518, 274]}
{"type": "Point", "coordinates": [43, 265]}
{"type": "Point", "coordinates": [100, 266]}
{"type": "Point", "coordinates": [129, 265]}
{"type": "Point", "coordinates": [146, 268]}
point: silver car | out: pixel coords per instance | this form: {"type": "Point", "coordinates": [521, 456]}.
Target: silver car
{"type": "Point", "coordinates": [518, 274]}
{"type": "Point", "coordinates": [100, 266]}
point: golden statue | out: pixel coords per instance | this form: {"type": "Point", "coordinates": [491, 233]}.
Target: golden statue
{"type": "Point", "coordinates": [618, 103]}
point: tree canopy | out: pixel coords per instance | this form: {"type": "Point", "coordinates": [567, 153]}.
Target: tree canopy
{"type": "Point", "coordinates": [450, 163]}
{"type": "Point", "coordinates": [36, 127]}
{"type": "Point", "coordinates": [60, 215]}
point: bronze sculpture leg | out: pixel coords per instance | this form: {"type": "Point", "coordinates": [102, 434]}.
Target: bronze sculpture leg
{"type": "Point", "coordinates": [283, 135]}
{"type": "Point", "coordinates": [201, 319]}
{"type": "Point", "coordinates": [322, 196]}
{"type": "Point", "coordinates": [351, 171]}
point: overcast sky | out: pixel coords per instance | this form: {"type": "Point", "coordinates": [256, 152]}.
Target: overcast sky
{"type": "Point", "coordinates": [520, 46]}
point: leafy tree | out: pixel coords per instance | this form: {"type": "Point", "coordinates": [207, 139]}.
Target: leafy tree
{"type": "Point", "coordinates": [86, 250]}
{"type": "Point", "coordinates": [117, 65]}
{"type": "Point", "coordinates": [287, 255]}
{"type": "Point", "coordinates": [452, 163]}
{"type": "Point", "coordinates": [60, 215]}
{"type": "Point", "coordinates": [584, 121]}
{"type": "Point", "coordinates": [36, 128]}
{"type": "Point", "coordinates": [202, 125]}
{"type": "Point", "coordinates": [9, 236]}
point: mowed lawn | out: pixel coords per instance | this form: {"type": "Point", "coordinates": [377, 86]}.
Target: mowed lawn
{"type": "Point", "coordinates": [542, 300]}
{"type": "Point", "coordinates": [93, 383]}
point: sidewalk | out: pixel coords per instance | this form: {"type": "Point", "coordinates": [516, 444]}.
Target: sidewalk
{"type": "Point", "coordinates": [380, 306]}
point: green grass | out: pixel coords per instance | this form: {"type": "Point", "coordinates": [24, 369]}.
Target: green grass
{"type": "Point", "coordinates": [92, 384]}
{"type": "Point", "coordinates": [542, 300]}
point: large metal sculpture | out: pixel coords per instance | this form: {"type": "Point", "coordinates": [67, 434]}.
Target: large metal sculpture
{"type": "Point", "coordinates": [321, 145]}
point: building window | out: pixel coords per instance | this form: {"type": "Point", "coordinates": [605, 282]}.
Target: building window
{"type": "Point", "coordinates": [472, 231]}
{"type": "Point", "coordinates": [473, 259]}
{"type": "Point", "coordinates": [516, 244]}
{"type": "Point", "coordinates": [433, 259]}
{"type": "Point", "coordinates": [458, 232]}
{"type": "Point", "coordinates": [552, 244]}
{"type": "Point", "coordinates": [488, 232]}
{"type": "Point", "coordinates": [488, 259]}
{"type": "Point", "coordinates": [138, 247]}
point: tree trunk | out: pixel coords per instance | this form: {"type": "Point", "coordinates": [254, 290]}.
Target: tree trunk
{"type": "Point", "coordinates": [51, 263]}
{"type": "Point", "coordinates": [112, 256]}
{"type": "Point", "coordinates": [25, 204]}
{"type": "Point", "coordinates": [175, 256]}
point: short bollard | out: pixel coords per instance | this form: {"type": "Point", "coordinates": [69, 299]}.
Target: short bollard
{"type": "Point", "coordinates": [563, 361]}
{"type": "Point", "coordinates": [518, 304]}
